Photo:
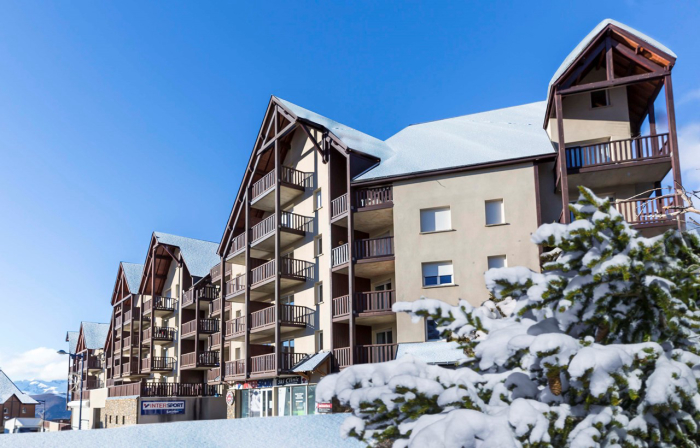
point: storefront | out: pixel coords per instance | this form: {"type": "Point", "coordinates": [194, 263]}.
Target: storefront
{"type": "Point", "coordinates": [281, 397]}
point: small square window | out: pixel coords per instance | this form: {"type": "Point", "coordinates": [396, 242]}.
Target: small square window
{"type": "Point", "coordinates": [318, 292]}
{"type": "Point", "coordinates": [600, 98]}
{"type": "Point", "coordinates": [435, 220]}
{"type": "Point", "coordinates": [319, 341]}
{"type": "Point", "coordinates": [494, 212]}
{"type": "Point", "coordinates": [435, 274]}
{"type": "Point", "coordinates": [318, 245]}
{"type": "Point", "coordinates": [237, 353]}
{"type": "Point", "coordinates": [318, 200]}
{"type": "Point", "coordinates": [497, 261]}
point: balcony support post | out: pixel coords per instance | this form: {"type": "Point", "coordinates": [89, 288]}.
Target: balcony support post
{"type": "Point", "coordinates": [248, 271]}
{"type": "Point", "coordinates": [329, 200]}
{"type": "Point", "coordinates": [562, 159]}
{"type": "Point", "coordinates": [673, 142]}
{"type": "Point", "coordinates": [278, 261]}
{"type": "Point", "coordinates": [351, 268]}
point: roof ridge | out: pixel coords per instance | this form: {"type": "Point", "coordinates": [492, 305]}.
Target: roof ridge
{"type": "Point", "coordinates": [475, 113]}
{"type": "Point", "coordinates": [180, 236]}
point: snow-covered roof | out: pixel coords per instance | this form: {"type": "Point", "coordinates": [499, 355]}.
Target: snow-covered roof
{"type": "Point", "coordinates": [72, 338]}
{"type": "Point", "coordinates": [199, 255]}
{"type": "Point", "coordinates": [132, 272]}
{"type": "Point", "coordinates": [433, 352]}
{"type": "Point", "coordinates": [310, 363]}
{"type": "Point", "coordinates": [502, 134]}
{"type": "Point", "coordinates": [23, 421]}
{"type": "Point", "coordinates": [308, 431]}
{"type": "Point", "coordinates": [589, 38]}
{"type": "Point", "coordinates": [8, 389]}
{"type": "Point", "coordinates": [95, 335]}
{"type": "Point", "coordinates": [352, 138]}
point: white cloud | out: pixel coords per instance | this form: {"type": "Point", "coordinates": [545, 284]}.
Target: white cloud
{"type": "Point", "coordinates": [689, 149]}
{"type": "Point", "coordinates": [693, 95]}
{"type": "Point", "coordinates": [39, 363]}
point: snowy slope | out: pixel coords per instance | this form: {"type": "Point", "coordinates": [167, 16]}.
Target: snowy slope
{"type": "Point", "coordinates": [313, 431]}
{"type": "Point", "coordinates": [39, 387]}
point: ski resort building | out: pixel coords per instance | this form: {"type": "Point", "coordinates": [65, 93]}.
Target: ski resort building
{"type": "Point", "coordinates": [330, 227]}
{"type": "Point", "coordinates": [14, 403]}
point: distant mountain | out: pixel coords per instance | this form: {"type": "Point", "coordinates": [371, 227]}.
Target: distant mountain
{"type": "Point", "coordinates": [55, 406]}
{"type": "Point", "coordinates": [39, 387]}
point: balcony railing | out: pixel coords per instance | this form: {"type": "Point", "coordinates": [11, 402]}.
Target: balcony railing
{"type": "Point", "coordinates": [130, 367]}
{"type": "Point", "coordinates": [365, 354]}
{"type": "Point", "coordinates": [215, 307]}
{"type": "Point", "coordinates": [646, 211]}
{"type": "Point", "coordinates": [93, 383]}
{"type": "Point", "coordinates": [340, 255]}
{"type": "Point", "coordinates": [617, 151]}
{"type": "Point", "coordinates": [131, 341]}
{"type": "Point", "coordinates": [179, 390]}
{"type": "Point", "coordinates": [341, 357]}
{"type": "Point", "coordinates": [266, 363]}
{"type": "Point", "coordinates": [289, 315]}
{"type": "Point", "coordinates": [374, 197]}
{"type": "Point", "coordinates": [341, 306]}
{"type": "Point", "coordinates": [158, 363]}
{"type": "Point", "coordinates": [291, 267]}
{"type": "Point", "coordinates": [208, 326]}
{"type": "Point", "coordinates": [289, 176]}
{"type": "Point", "coordinates": [263, 185]}
{"type": "Point", "coordinates": [135, 313]}
{"type": "Point", "coordinates": [215, 271]}
{"type": "Point", "coordinates": [94, 363]}
{"type": "Point", "coordinates": [213, 375]}
{"type": "Point", "coordinates": [118, 321]}
{"type": "Point", "coordinates": [235, 285]}
{"type": "Point", "coordinates": [339, 205]}
{"type": "Point", "coordinates": [117, 345]}
{"type": "Point", "coordinates": [125, 390]}
{"type": "Point", "coordinates": [374, 301]}
{"type": "Point", "coordinates": [201, 359]}
{"type": "Point", "coordinates": [238, 243]}
{"type": "Point", "coordinates": [159, 334]}
{"type": "Point", "coordinates": [159, 303]}
{"type": "Point", "coordinates": [214, 340]}
{"type": "Point", "coordinates": [236, 327]}
{"type": "Point", "coordinates": [234, 368]}
{"type": "Point", "coordinates": [374, 247]}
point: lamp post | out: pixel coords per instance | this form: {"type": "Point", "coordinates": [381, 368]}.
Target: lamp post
{"type": "Point", "coordinates": [80, 356]}
{"type": "Point", "coordinates": [43, 413]}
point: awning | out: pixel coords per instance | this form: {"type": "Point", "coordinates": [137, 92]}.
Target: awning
{"type": "Point", "coordinates": [310, 363]}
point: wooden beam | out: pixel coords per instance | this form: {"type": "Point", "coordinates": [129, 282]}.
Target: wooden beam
{"type": "Point", "coordinates": [562, 157]}
{"type": "Point", "coordinates": [284, 132]}
{"type": "Point", "coordinates": [582, 65]}
{"type": "Point", "coordinates": [313, 140]}
{"type": "Point", "coordinates": [613, 83]}
{"type": "Point", "coordinates": [636, 58]}
{"type": "Point", "coordinates": [673, 141]}
{"type": "Point", "coordinates": [609, 64]}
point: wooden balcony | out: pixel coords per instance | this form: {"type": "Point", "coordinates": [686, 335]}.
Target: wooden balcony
{"type": "Point", "coordinates": [235, 289]}
{"type": "Point", "coordinates": [215, 273]}
{"type": "Point", "coordinates": [645, 159]}
{"type": "Point", "coordinates": [118, 345]}
{"type": "Point", "coordinates": [118, 321]}
{"type": "Point", "coordinates": [213, 376]}
{"type": "Point", "coordinates": [117, 371]}
{"type": "Point", "coordinates": [215, 307]}
{"type": "Point", "coordinates": [292, 183]}
{"type": "Point", "coordinates": [214, 341]}
{"type": "Point", "coordinates": [375, 256]}
{"type": "Point", "coordinates": [647, 212]}
{"type": "Point", "coordinates": [93, 383]}
{"type": "Point", "coordinates": [374, 208]}
{"type": "Point", "coordinates": [125, 390]}
{"type": "Point", "coordinates": [94, 363]}
{"type": "Point", "coordinates": [339, 207]}
{"type": "Point", "coordinates": [179, 390]}
{"type": "Point", "coordinates": [76, 396]}
{"type": "Point", "coordinates": [340, 255]}
{"type": "Point", "coordinates": [201, 360]}
{"type": "Point", "coordinates": [208, 293]}
{"type": "Point", "coordinates": [371, 304]}
{"type": "Point", "coordinates": [205, 327]}
{"type": "Point", "coordinates": [265, 365]}
{"type": "Point", "coordinates": [293, 228]}
{"type": "Point", "coordinates": [235, 370]}
{"type": "Point", "coordinates": [131, 342]}
{"type": "Point", "coordinates": [159, 306]}
{"type": "Point", "coordinates": [131, 367]}
{"type": "Point", "coordinates": [365, 354]}
{"type": "Point", "coordinates": [134, 315]}
{"type": "Point", "coordinates": [160, 335]}
{"type": "Point", "coordinates": [292, 273]}
{"type": "Point", "coordinates": [264, 322]}
{"type": "Point", "coordinates": [236, 253]}
{"type": "Point", "coordinates": [157, 364]}
{"type": "Point", "coordinates": [235, 328]}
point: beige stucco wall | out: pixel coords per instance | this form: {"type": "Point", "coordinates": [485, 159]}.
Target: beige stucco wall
{"type": "Point", "coordinates": [471, 241]}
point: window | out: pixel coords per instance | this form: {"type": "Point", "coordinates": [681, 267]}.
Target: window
{"type": "Point", "coordinates": [318, 296]}
{"type": "Point", "coordinates": [600, 98]}
{"type": "Point", "coordinates": [287, 300]}
{"type": "Point", "coordinates": [431, 331]}
{"type": "Point", "coordinates": [238, 313]}
{"type": "Point", "coordinates": [288, 346]}
{"type": "Point", "coordinates": [437, 273]}
{"type": "Point", "coordinates": [386, 286]}
{"type": "Point", "coordinates": [494, 212]}
{"type": "Point", "coordinates": [237, 353]}
{"type": "Point", "coordinates": [435, 220]}
{"type": "Point", "coordinates": [123, 419]}
{"type": "Point", "coordinates": [318, 245]}
{"type": "Point", "coordinates": [110, 419]}
{"type": "Point", "coordinates": [497, 261]}
{"type": "Point", "coordinates": [6, 411]}
{"type": "Point", "coordinates": [319, 341]}
{"type": "Point", "coordinates": [384, 337]}
{"type": "Point", "coordinates": [24, 410]}
{"type": "Point", "coordinates": [318, 200]}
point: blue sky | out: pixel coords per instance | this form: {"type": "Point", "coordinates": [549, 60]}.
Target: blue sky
{"type": "Point", "coordinates": [120, 118]}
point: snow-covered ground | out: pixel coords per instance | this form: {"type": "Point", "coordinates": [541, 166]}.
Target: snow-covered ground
{"type": "Point", "coordinates": [313, 431]}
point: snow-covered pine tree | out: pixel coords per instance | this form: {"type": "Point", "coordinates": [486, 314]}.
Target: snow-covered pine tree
{"type": "Point", "coordinates": [599, 349]}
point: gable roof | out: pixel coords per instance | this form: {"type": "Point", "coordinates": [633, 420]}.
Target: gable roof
{"type": "Point", "coordinates": [94, 334]}
{"type": "Point", "coordinates": [311, 362]}
{"type": "Point", "coordinates": [132, 273]}
{"type": "Point", "coordinates": [8, 389]}
{"type": "Point", "coordinates": [352, 138]}
{"type": "Point", "coordinates": [502, 134]}
{"type": "Point", "coordinates": [72, 339]}
{"type": "Point", "coordinates": [199, 255]}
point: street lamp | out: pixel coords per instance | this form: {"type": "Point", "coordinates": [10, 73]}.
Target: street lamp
{"type": "Point", "coordinates": [43, 413]}
{"type": "Point", "coordinates": [80, 356]}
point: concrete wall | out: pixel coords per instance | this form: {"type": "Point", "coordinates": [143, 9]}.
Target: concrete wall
{"type": "Point", "coordinates": [471, 241]}
{"type": "Point", "coordinates": [120, 411]}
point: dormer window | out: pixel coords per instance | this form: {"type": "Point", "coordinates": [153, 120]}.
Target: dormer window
{"type": "Point", "coordinates": [599, 98]}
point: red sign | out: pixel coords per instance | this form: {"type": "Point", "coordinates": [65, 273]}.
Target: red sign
{"type": "Point", "coordinates": [229, 398]}
{"type": "Point", "coordinates": [324, 408]}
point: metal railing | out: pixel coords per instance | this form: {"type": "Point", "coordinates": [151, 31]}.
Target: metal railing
{"type": "Point", "coordinates": [160, 363]}
{"type": "Point", "coordinates": [367, 302]}
{"type": "Point", "coordinates": [376, 196]}
{"type": "Point", "coordinates": [374, 247]}
{"type": "Point", "coordinates": [205, 358]}
{"type": "Point", "coordinates": [339, 205]}
{"type": "Point", "coordinates": [340, 255]}
{"type": "Point", "coordinates": [365, 354]}
{"type": "Point", "coordinates": [341, 306]}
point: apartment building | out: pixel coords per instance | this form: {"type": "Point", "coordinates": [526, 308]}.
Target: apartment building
{"type": "Point", "coordinates": [14, 403]}
{"type": "Point", "coordinates": [331, 226]}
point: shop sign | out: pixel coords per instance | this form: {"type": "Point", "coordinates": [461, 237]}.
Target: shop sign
{"type": "Point", "coordinates": [255, 384]}
{"type": "Point", "coordinates": [324, 408]}
{"type": "Point", "coordinates": [230, 398]}
{"type": "Point", "coordinates": [291, 380]}
{"type": "Point", "coordinates": [162, 407]}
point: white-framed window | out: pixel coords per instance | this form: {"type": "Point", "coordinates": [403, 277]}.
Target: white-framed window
{"type": "Point", "coordinates": [440, 273]}
{"type": "Point", "coordinates": [384, 337]}
{"type": "Point", "coordinates": [318, 245]}
{"type": "Point", "coordinates": [495, 213]}
{"type": "Point", "coordinates": [318, 292]}
{"type": "Point", "coordinates": [497, 261]}
{"type": "Point", "coordinates": [319, 341]}
{"type": "Point", "coordinates": [599, 98]}
{"type": "Point", "coordinates": [435, 219]}
{"type": "Point", "coordinates": [318, 199]}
